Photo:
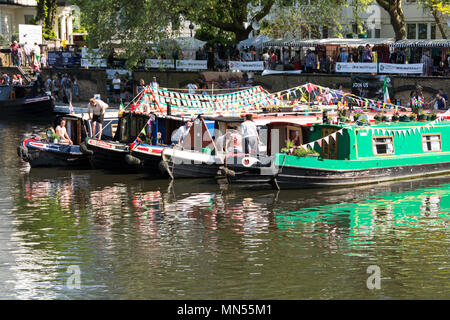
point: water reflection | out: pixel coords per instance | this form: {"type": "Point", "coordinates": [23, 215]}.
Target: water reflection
{"type": "Point", "coordinates": [138, 239]}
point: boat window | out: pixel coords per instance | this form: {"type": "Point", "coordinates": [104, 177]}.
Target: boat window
{"type": "Point", "coordinates": [383, 145]}
{"type": "Point", "coordinates": [431, 142]}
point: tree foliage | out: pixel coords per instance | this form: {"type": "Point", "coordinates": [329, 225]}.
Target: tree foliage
{"type": "Point", "coordinates": [130, 26]}
{"type": "Point", "coordinates": [235, 16]}
{"type": "Point", "coordinates": [437, 9]}
{"type": "Point", "coordinates": [45, 14]}
{"type": "Point", "coordinates": [304, 18]}
{"type": "Point", "coordinates": [395, 10]}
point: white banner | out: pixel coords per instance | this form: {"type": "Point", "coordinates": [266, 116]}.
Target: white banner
{"type": "Point", "coordinates": [400, 68]}
{"type": "Point", "coordinates": [355, 67]}
{"type": "Point", "coordinates": [111, 73]}
{"type": "Point", "coordinates": [269, 72]}
{"type": "Point", "coordinates": [92, 58]}
{"type": "Point", "coordinates": [192, 64]}
{"type": "Point", "coordinates": [247, 65]}
{"type": "Point", "coordinates": [30, 33]}
{"type": "Point", "coordinates": [157, 63]}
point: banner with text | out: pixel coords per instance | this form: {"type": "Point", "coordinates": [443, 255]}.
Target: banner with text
{"type": "Point", "coordinates": [157, 63]}
{"type": "Point", "coordinates": [400, 68]}
{"type": "Point", "coordinates": [92, 58]}
{"type": "Point", "coordinates": [192, 64]}
{"type": "Point", "coordinates": [355, 67]}
{"type": "Point", "coordinates": [247, 65]}
{"type": "Point", "coordinates": [59, 59]}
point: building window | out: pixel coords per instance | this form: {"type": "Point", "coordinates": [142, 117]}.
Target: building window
{"type": "Point", "coordinates": [383, 145]}
{"type": "Point", "coordinates": [411, 30]}
{"type": "Point", "coordinates": [374, 33]}
{"type": "Point", "coordinates": [431, 142]}
{"type": "Point", "coordinates": [423, 31]}
{"type": "Point", "coordinates": [433, 31]}
{"type": "Point", "coordinates": [28, 19]}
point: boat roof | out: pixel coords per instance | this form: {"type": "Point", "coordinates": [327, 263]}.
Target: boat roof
{"type": "Point", "coordinates": [381, 125]}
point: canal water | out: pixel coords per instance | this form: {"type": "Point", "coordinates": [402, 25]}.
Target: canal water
{"type": "Point", "coordinates": [95, 235]}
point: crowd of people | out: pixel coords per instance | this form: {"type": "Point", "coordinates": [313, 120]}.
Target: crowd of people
{"type": "Point", "coordinates": [63, 88]}
{"type": "Point", "coordinates": [27, 55]}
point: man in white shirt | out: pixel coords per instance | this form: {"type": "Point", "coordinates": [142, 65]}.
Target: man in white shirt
{"type": "Point", "coordinates": [192, 87]}
{"type": "Point", "coordinates": [154, 84]}
{"type": "Point", "coordinates": [27, 51]}
{"type": "Point", "coordinates": [179, 134]}
{"type": "Point", "coordinates": [98, 112]}
{"type": "Point", "coordinates": [250, 136]}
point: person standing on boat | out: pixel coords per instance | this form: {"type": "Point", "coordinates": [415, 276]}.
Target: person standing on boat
{"type": "Point", "coordinates": [116, 86]}
{"type": "Point", "coordinates": [98, 112]}
{"type": "Point", "coordinates": [68, 87]}
{"type": "Point", "coordinates": [250, 135]}
{"type": "Point", "coordinates": [62, 133]}
{"type": "Point", "coordinates": [179, 134]}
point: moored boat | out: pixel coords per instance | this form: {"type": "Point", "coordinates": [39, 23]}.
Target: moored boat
{"type": "Point", "coordinates": [205, 157]}
{"type": "Point", "coordinates": [45, 150]}
{"type": "Point", "coordinates": [350, 155]}
{"type": "Point", "coordinates": [19, 101]}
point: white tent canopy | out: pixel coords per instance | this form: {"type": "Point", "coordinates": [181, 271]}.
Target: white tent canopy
{"type": "Point", "coordinates": [257, 41]}
{"type": "Point", "coordinates": [189, 43]}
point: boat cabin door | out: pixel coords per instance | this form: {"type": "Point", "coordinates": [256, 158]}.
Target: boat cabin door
{"type": "Point", "coordinates": [330, 149]}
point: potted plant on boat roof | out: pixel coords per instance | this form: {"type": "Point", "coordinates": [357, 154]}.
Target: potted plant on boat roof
{"type": "Point", "coordinates": [395, 117]}
{"type": "Point", "coordinates": [289, 146]}
{"type": "Point", "coordinates": [356, 116]}
{"type": "Point", "coordinates": [433, 116]}
{"type": "Point", "coordinates": [384, 117]}
{"type": "Point", "coordinates": [341, 115]}
{"type": "Point", "coordinates": [55, 138]}
{"type": "Point", "coordinates": [421, 116]}
{"type": "Point", "coordinates": [404, 118]}
{"type": "Point", "coordinates": [362, 121]}
{"type": "Point", "coordinates": [412, 116]}
{"type": "Point", "coordinates": [378, 117]}
{"type": "Point", "coordinates": [310, 153]}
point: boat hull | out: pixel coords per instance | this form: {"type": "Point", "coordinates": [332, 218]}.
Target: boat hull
{"type": "Point", "coordinates": [109, 155]}
{"type": "Point", "coordinates": [38, 106]}
{"type": "Point", "coordinates": [41, 154]}
{"type": "Point", "coordinates": [147, 158]}
{"type": "Point", "coordinates": [190, 164]}
{"type": "Point", "coordinates": [298, 178]}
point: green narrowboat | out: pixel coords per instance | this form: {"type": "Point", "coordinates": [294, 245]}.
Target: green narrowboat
{"type": "Point", "coordinates": [349, 154]}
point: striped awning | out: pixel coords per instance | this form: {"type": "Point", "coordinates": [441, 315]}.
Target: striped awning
{"type": "Point", "coordinates": [323, 42]}
{"type": "Point", "coordinates": [421, 44]}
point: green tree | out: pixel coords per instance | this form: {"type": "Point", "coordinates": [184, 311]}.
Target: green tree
{"type": "Point", "coordinates": [433, 6]}
{"type": "Point", "coordinates": [129, 26]}
{"type": "Point", "coordinates": [45, 15]}
{"type": "Point", "coordinates": [235, 16]}
{"type": "Point", "coordinates": [304, 18]}
{"type": "Point", "coordinates": [395, 10]}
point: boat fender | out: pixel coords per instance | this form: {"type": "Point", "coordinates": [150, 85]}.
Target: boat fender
{"type": "Point", "coordinates": [228, 172]}
{"type": "Point", "coordinates": [85, 150]}
{"type": "Point", "coordinates": [22, 152]}
{"type": "Point", "coordinates": [132, 161]}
